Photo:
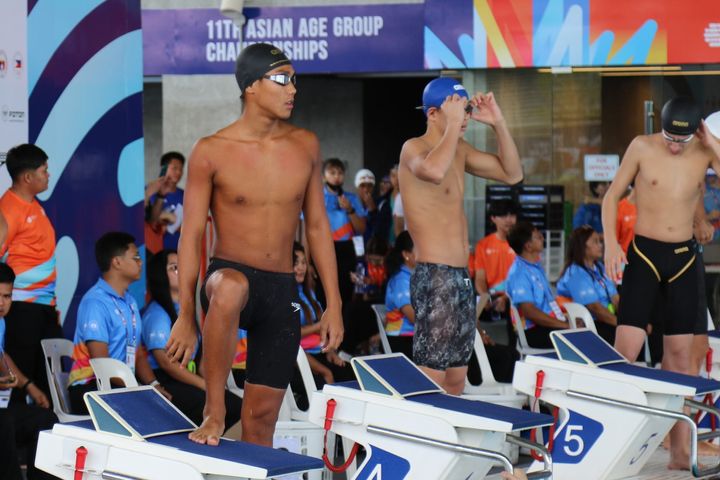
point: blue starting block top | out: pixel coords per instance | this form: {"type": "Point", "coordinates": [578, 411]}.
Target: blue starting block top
{"type": "Point", "coordinates": [585, 347]}
{"type": "Point", "coordinates": [519, 419]}
{"type": "Point", "coordinates": [276, 462]}
{"type": "Point", "coordinates": [714, 333]}
{"type": "Point", "coordinates": [588, 348]}
{"type": "Point", "coordinates": [392, 374]}
{"type": "Point", "coordinates": [700, 384]}
{"type": "Point", "coordinates": [139, 413]}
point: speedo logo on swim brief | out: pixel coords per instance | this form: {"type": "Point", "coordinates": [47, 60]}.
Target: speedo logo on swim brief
{"type": "Point", "coordinates": [296, 306]}
{"type": "Point", "coordinates": [679, 123]}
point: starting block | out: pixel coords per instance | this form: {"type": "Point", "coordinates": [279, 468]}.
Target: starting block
{"type": "Point", "coordinates": [612, 415]}
{"type": "Point", "coordinates": [136, 433]}
{"type": "Point", "coordinates": [412, 429]}
{"type": "Point", "coordinates": [712, 368]}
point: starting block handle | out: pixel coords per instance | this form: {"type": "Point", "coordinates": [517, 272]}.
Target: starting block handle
{"type": "Point", "coordinates": [546, 472]}
{"type": "Point", "coordinates": [696, 471]}
{"type": "Point", "coordinates": [106, 475]}
{"type": "Point", "coordinates": [710, 410]}
{"type": "Point", "coordinates": [464, 449]}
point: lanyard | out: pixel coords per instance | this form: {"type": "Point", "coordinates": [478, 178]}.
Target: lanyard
{"type": "Point", "coordinates": [547, 293]}
{"type": "Point", "coordinates": [124, 320]}
{"type": "Point", "coordinates": [597, 276]}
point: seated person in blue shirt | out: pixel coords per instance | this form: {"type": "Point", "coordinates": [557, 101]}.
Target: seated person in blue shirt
{"type": "Point", "coordinates": [588, 213]}
{"type": "Point", "coordinates": [20, 423]}
{"type": "Point", "coordinates": [529, 288]}
{"type": "Point", "coordinates": [186, 387]}
{"type": "Point", "coordinates": [400, 317]}
{"type": "Point", "coordinates": [329, 367]}
{"type": "Point", "coordinates": [108, 319]}
{"type": "Point", "coordinates": [583, 280]}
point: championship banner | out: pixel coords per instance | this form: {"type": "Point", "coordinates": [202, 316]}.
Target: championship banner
{"type": "Point", "coordinates": [13, 80]}
{"type": "Point", "coordinates": [335, 39]}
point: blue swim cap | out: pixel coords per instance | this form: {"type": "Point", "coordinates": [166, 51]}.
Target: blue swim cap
{"type": "Point", "coordinates": [438, 90]}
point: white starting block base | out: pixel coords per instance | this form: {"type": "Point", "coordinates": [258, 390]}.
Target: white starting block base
{"type": "Point", "coordinates": [612, 415]}
{"type": "Point", "coordinates": [655, 469]}
{"type": "Point", "coordinates": [412, 429]}
{"type": "Point", "coordinates": [136, 433]}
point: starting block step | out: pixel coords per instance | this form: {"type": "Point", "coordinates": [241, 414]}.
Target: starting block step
{"type": "Point", "coordinates": [137, 433]}
{"type": "Point", "coordinates": [412, 429]}
{"type": "Point", "coordinates": [612, 415]}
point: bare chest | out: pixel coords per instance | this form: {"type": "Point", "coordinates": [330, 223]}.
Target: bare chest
{"type": "Point", "coordinates": [671, 179]}
{"type": "Point", "coordinates": [261, 176]}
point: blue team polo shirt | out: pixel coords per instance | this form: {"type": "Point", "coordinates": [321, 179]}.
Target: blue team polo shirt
{"type": "Point", "coordinates": [526, 282]}
{"type": "Point", "coordinates": [588, 214]}
{"type": "Point", "coordinates": [340, 224]}
{"type": "Point", "coordinates": [586, 286]}
{"type": "Point", "coordinates": [397, 296]}
{"type": "Point", "coordinates": [104, 316]}
{"type": "Point", "coordinates": [2, 334]}
{"type": "Point", "coordinates": [303, 320]}
{"type": "Point", "coordinates": [156, 326]}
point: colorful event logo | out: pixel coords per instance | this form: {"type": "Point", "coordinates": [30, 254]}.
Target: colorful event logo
{"type": "Point", "coordinates": [493, 33]}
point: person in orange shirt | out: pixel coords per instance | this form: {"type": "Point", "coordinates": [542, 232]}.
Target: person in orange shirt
{"type": "Point", "coordinates": [626, 218]}
{"type": "Point", "coordinates": [493, 259]}
{"type": "Point", "coordinates": [28, 247]}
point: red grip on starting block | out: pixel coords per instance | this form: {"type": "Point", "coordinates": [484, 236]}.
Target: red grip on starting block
{"type": "Point", "coordinates": [80, 456]}
{"type": "Point", "coordinates": [329, 413]}
{"type": "Point", "coordinates": [539, 379]}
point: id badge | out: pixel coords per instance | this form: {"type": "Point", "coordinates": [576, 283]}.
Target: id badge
{"type": "Point", "coordinates": [5, 397]}
{"type": "Point", "coordinates": [359, 245]}
{"type": "Point", "coordinates": [557, 311]}
{"type": "Point", "coordinates": [130, 357]}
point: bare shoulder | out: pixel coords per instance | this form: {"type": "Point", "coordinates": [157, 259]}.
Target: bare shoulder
{"type": "Point", "coordinates": [640, 147]}
{"type": "Point", "coordinates": [413, 148]}
{"type": "Point", "coordinates": [642, 143]}
{"type": "Point", "coordinates": [202, 152]}
{"type": "Point", "coordinates": [304, 136]}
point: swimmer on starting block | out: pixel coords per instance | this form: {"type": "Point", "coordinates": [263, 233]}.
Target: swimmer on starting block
{"type": "Point", "coordinates": [255, 175]}
{"type": "Point", "coordinates": [431, 172]}
{"type": "Point", "coordinates": [669, 170]}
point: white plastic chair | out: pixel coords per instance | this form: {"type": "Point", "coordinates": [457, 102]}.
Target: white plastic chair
{"type": "Point", "coordinates": [489, 385]}
{"type": "Point", "coordinates": [522, 344]}
{"type": "Point", "coordinates": [380, 312]}
{"type": "Point", "coordinates": [107, 368]}
{"type": "Point", "coordinates": [233, 386]}
{"type": "Point", "coordinates": [575, 311]}
{"type": "Point", "coordinates": [53, 351]}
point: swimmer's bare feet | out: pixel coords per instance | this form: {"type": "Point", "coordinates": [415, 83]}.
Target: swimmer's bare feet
{"type": "Point", "coordinates": [209, 432]}
{"type": "Point", "coordinates": [707, 449]}
{"type": "Point", "coordinates": [679, 463]}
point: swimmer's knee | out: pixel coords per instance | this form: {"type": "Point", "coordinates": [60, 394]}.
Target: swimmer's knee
{"type": "Point", "coordinates": [228, 290]}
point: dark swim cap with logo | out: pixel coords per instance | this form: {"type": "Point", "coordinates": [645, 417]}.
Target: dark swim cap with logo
{"type": "Point", "coordinates": [680, 116]}
{"type": "Point", "coordinates": [255, 61]}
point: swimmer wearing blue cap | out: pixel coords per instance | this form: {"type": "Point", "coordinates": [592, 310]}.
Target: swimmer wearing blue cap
{"type": "Point", "coordinates": [255, 176]}
{"type": "Point", "coordinates": [662, 264]}
{"type": "Point", "coordinates": [432, 176]}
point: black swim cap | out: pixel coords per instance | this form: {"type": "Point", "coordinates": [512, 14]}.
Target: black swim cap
{"type": "Point", "coordinates": [680, 116]}
{"type": "Point", "coordinates": [255, 61]}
